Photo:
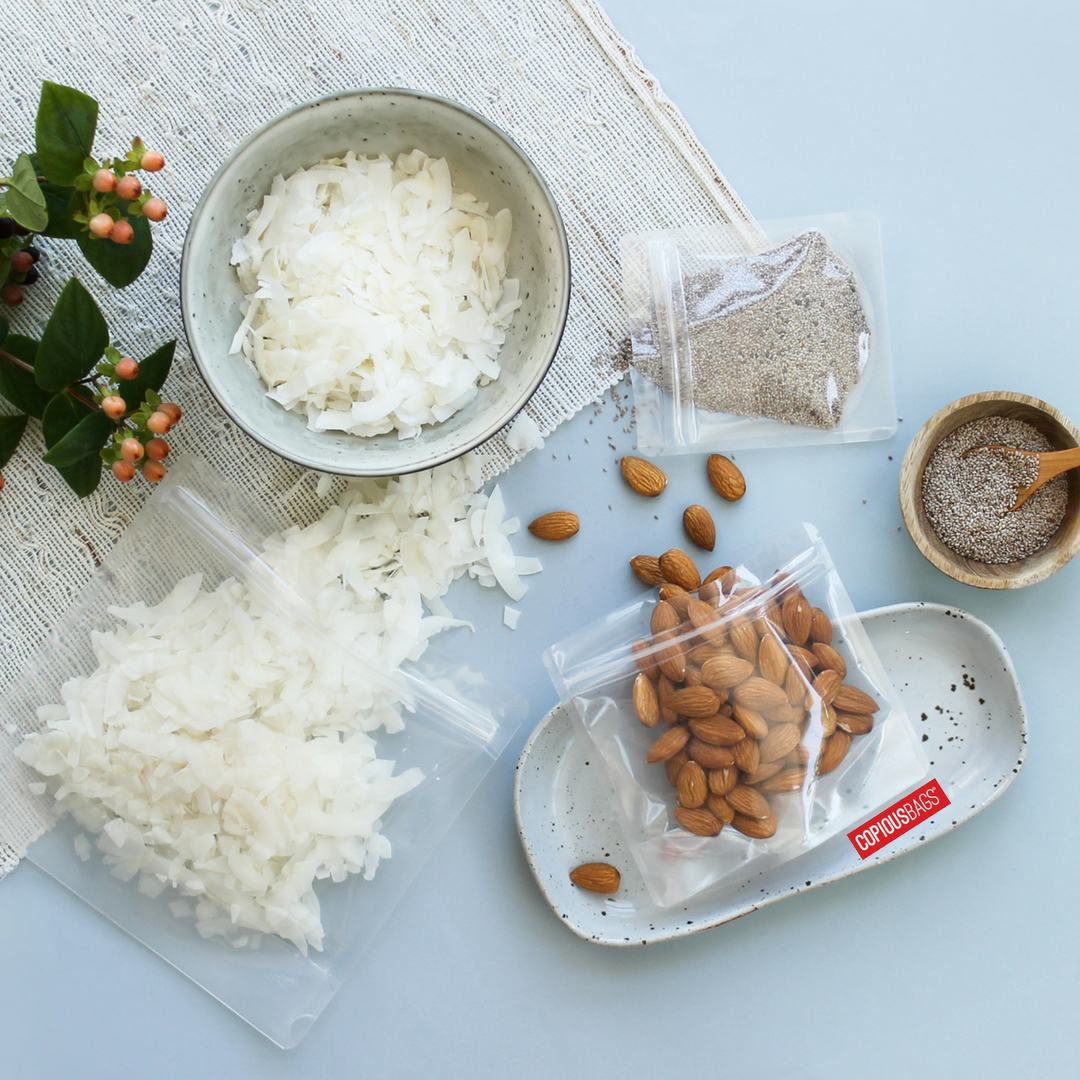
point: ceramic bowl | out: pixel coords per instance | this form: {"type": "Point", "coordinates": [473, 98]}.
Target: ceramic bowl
{"type": "Point", "coordinates": [483, 160]}
{"type": "Point", "coordinates": [1015, 575]}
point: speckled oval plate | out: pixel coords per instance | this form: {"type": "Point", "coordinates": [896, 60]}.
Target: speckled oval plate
{"type": "Point", "coordinates": [960, 689]}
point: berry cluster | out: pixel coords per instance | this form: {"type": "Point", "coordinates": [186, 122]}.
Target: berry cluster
{"type": "Point", "coordinates": [22, 256]}
{"type": "Point", "coordinates": [138, 439]}
{"type": "Point", "coordinates": [116, 197]}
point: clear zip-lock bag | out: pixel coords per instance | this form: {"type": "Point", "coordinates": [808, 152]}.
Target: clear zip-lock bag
{"type": "Point", "coordinates": [785, 345]}
{"type": "Point", "coordinates": [219, 769]}
{"type": "Point", "coordinates": [740, 724]}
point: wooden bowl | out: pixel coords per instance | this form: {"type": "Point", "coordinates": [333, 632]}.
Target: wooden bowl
{"type": "Point", "coordinates": [1015, 575]}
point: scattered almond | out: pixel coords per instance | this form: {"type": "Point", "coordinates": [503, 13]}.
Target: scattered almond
{"type": "Point", "coordinates": [597, 877]}
{"type": "Point", "coordinates": [699, 526]}
{"type": "Point", "coordinates": [724, 475]}
{"type": "Point", "coordinates": [647, 567]}
{"type": "Point", "coordinates": [678, 568]}
{"type": "Point", "coordinates": [643, 476]}
{"type": "Point", "coordinates": [558, 525]}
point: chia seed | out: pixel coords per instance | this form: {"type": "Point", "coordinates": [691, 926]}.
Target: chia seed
{"type": "Point", "coordinates": [968, 501]}
{"type": "Point", "coordinates": [781, 334]}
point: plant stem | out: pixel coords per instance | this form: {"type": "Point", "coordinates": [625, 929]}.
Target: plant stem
{"type": "Point", "coordinates": [68, 390]}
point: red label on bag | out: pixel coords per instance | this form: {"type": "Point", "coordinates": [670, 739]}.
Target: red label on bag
{"type": "Point", "coordinates": [900, 818]}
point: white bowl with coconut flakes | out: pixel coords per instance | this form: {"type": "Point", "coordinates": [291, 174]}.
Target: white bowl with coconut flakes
{"type": "Point", "coordinates": [375, 282]}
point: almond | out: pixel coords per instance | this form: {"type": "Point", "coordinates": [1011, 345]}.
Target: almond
{"type": "Point", "coordinates": [718, 730]}
{"type": "Point", "coordinates": [799, 756]}
{"type": "Point", "coordinates": [748, 801]}
{"type": "Point", "coordinates": [674, 765]}
{"type": "Point", "coordinates": [829, 658]}
{"type": "Point", "coordinates": [772, 660]}
{"type": "Point", "coordinates": [828, 720]}
{"type": "Point", "coordinates": [709, 755]}
{"type": "Point", "coordinates": [704, 617]}
{"type": "Point", "coordinates": [757, 828]}
{"type": "Point", "coordinates": [747, 755]}
{"type": "Point", "coordinates": [761, 773]}
{"type": "Point", "coordinates": [797, 617]}
{"type": "Point", "coordinates": [597, 877]}
{"type": "Point", "coordinates": [699, 526]}
{"type": "Point", "coordinates": [721, 781]}
{"type": "Point", "coordinates": [784, 714]}
{"type": "Point", "coordinates": [692, 787]}
{"type": "Point", "coordinates": [671, 742]}
{"type": "Point", "coordinates": [724, 475]}
{"type": "Point", "coordinates": [694, 701]}
{"type": "Point", "coordinates": [723, 672]}
{"type": "Point", "coordinates": [700, 653]}
{"type": "Point", "coordinates": [854, 724]}
{"type": "Point", "coordinates": [664, 689]}
{"type": "Point", "coordinates": [678, 568]}
{"type": "Point", "coordinates": [833, 750]}
{"type": "Point", "coordinates": [646, 706]}
{"type": "Point", "coordinates": [795, 685]}
{"type": "Point", "coordinates": [719, 807]}
{"type": "Point", "coordinates": [820, 626]}
{"type": "Point", "coordinates": [826, 686]}
{"type": "Point", "coordinates": [699, 822]}
{"type": "Point", "coordinates": [785, 781]}
{"type": "Point", "coordinates": [709, 591]}
{"type": "Point", "coordinates": [664, 617]}
{"type": "Point", "coordinates": [677, 597]}
{"type": "Point", "coordinates": [647, 567]}
{"type": "Point", "coordinates": [643, 476]}
{"type": "Point", "coordinates": [558, 525]}
{"type": "Point", "coordinates": [671, 656]}
{"type": "Point", "coordinates": [771, 611]}
{"type": "Point", "coordinates": [743, 638]}
{"type": "Point", "coordinates": [717, 575]}
{"type": "Point", "coordinates": [644, 659]}
{"type": "Point", "coordinates": [851, 699]}
{"type": "Point", "coordinates": [693, 675]}
{"type": "Point", "coordinates": [751, 721]}
{"type": "Point", "coordinates": [759, 694]}
{"type": "Point", "coordinates": [780, 741]}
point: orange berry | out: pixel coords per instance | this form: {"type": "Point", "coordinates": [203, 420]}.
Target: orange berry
{"type": "Point", "coordinates": [155, 209]}
{"type": "Point", "coordinates": [105, 181]}
{"type": "Point", "coordinates": [123, 233]}
{"type": "Point", "coordinates": [129, 187]}
{"type": "Point", "coordinates": [153, 161]}
{"type": "Point", "coordinates": [131, 450]}
{"type": "Point", "coordinates": [11, 294]}
{"type": "Point", "coordinates": [172, 411]}
{"type": "Point", "coordinates": [123, 471]}
{"type": "Point", "coordinates": [157, 449]}
{"type": "Point", "coordinates": [126, 368]}
{"type": "Point", "coordinates": [102, 226]}
{"type": "Point", "coordinates": [113, 407]}
{"type": "Point", "coordinates": [153, 471]}
{"type": "Point", "coordinates": [159, 423]}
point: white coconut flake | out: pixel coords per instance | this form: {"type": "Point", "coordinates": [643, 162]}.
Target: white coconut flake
{"type": "Point", "coordinates": [510, 617]}
{"type": "Point", "coordinates": [376, 293]}
{"type": "Point", "coordinates": [524, 435]}
{"type": "Point", "coordinates": [220, 751]}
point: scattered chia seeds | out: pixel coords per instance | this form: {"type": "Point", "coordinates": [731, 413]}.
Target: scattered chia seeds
{"type": "Point", "coordinates": [969, 500]}
{"type": "Point", "coordinates": [780, 335]}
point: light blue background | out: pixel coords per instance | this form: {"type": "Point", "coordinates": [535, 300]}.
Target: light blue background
{"type": "Point", "coordinates": [957, 124]}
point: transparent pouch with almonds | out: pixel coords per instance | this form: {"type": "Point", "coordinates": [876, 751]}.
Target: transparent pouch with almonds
{"type": "Point", "coordinates": [741, 721]}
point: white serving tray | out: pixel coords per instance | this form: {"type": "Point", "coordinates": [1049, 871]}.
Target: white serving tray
{"type": "Point", "coordinates": [959, 687]}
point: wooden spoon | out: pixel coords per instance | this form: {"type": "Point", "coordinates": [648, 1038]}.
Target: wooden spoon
{"type": "Point", "coordinates": [1051, 464]}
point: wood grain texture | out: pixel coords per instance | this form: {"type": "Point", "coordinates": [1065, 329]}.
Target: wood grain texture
{"type": "Point", "coordinates": [1064, 544]}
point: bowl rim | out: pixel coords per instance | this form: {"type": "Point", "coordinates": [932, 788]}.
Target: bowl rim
{"type": "Point", "coordinates": [488, 431]}
{"type": "Point", "coordinates": [914, 461]}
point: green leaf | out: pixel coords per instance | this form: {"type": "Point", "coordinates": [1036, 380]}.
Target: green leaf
{"type": "Point", "coordinates": [59, 203]}
{"type": "Point", "coordinates": [25, 201]}
{"type": "Point", "coordinates": [119, 264]}
{"type": "Point", "coordinates": [11, 432]}
{"type": "Point", "coordinates": [61, 415]}
{"type": "Point", "coordinates": [18, 386]}
{"type": "Point", "coordinates": [74, 339]}
{"type": "Point", "coordinates": [66, 121]}
{"type": "Point", "coordinates": [3, 328]}
{"type": "Point", "coordinates": [153, 371]}
{"type": "Point", "coordinates": [83, 440]}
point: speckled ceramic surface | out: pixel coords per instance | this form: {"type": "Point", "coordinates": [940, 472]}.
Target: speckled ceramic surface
{"type": "Point", "coordinates": [484, 161]}
{"type": "Point", "coordinates": [959, 687]}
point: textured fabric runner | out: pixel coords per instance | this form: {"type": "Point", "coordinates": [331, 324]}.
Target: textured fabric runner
{"type": "Point", "coordinates": [193, 78]}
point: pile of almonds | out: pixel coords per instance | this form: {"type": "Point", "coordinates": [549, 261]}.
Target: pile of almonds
{"type": "Point", "coordinates": [737, 677]}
